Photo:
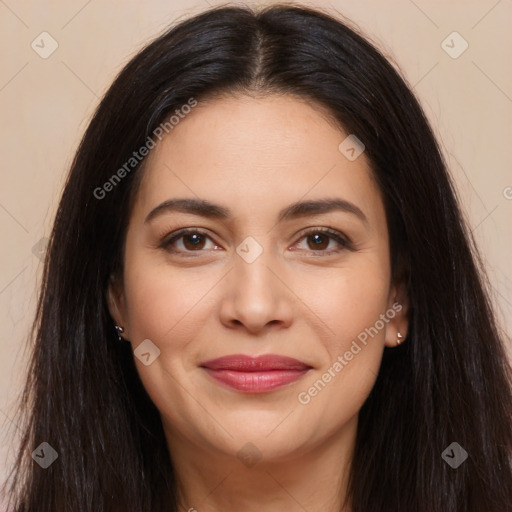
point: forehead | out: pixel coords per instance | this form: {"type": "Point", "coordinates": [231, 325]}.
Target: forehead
{"type": "Point", "coordinates": [256, 155]}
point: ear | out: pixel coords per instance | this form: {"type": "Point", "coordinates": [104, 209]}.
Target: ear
{"type": "Point", "coordinates": [397, 312]}
{"type": "Point", "coordinates": [116, 304]}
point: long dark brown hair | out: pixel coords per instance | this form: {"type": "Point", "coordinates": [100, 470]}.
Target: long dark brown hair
{"type": "Point", "coordinates": [449, 382]}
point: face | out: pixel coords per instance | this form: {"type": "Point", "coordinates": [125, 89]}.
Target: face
{"type": "Point", "coordinates": [286, 254]}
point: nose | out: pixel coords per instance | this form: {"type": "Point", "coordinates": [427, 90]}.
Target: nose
{"type": "Point", "coordinates": [256, 297]}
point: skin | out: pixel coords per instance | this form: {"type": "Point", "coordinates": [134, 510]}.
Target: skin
{"type": "Point", "coordinates": [255, 157]}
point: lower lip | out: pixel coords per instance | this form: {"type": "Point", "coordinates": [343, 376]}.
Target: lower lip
{"type": "Point", "coordinates": [256, 382]}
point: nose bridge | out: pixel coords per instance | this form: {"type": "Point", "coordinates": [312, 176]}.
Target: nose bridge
{"type": "Point", "coordinates": [252, 273]}
{"type": "Point", "coordinates": [254, 295]}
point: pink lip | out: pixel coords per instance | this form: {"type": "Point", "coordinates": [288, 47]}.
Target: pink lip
{"type": "Point", "coordinates": [255, 374]}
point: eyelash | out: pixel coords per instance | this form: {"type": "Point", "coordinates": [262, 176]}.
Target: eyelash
{"type": "Point", "coordinates": [333, 235]}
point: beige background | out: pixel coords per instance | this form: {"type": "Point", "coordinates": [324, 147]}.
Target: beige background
{"type": "Point", "coordinates": [46, 103]}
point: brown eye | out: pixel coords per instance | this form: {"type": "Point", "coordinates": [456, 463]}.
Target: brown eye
{"type": "Point", "coordinates": [318, 240]}
{"type": "Point", "coordinates": [187, 241]}
{"type": "Point", "coordinates": [193, 241]}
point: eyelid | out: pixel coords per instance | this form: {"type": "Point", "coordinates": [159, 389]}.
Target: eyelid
{"type": "Point", "coordinates": [332, 234]}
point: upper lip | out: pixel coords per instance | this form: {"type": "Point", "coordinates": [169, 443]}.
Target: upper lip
{"type": "Point", "coordinates": [243, 363]}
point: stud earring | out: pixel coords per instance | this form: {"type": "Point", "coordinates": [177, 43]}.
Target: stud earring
{"type": "Point", "coordinates": [119, 330]}
{"type": "Point", "coordinates": [398, 338]}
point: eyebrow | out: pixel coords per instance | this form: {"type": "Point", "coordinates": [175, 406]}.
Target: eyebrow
{"type": "Point", "coordinates": [210, 210]}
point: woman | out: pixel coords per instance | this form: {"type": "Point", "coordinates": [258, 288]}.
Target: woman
{"type": "Point", "coordinates": [260, 292]}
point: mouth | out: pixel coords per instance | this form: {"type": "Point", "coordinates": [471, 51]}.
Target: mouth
{"type": "Point", "coordinates": [255, 374]}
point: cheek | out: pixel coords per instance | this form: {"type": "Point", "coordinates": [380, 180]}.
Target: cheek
{"type": "Point", "coordinates": [163, 303]}
{"type": "Point", "coordinates": [351, 305]}
{"type": "Point", "coordinates": [352, 300]}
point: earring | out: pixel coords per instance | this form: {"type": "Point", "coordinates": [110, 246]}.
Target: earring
{"type": "Point", "coordinates": [399, 338]}
{"type": "Point", "coordinates": [119, 330]}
